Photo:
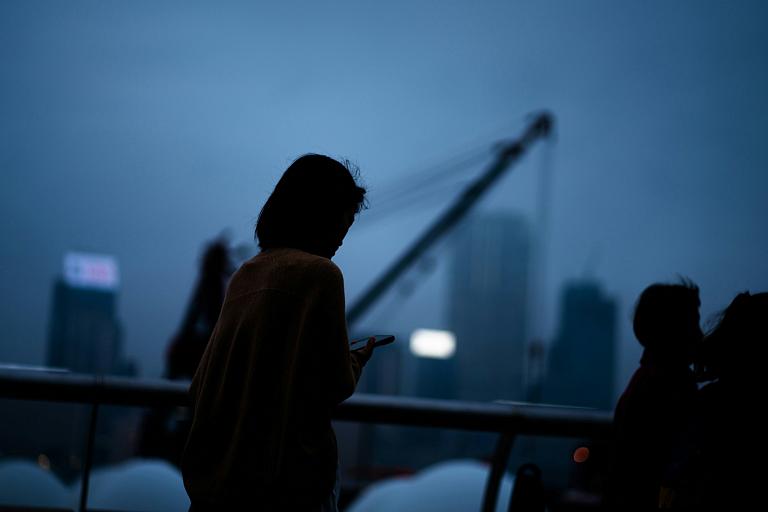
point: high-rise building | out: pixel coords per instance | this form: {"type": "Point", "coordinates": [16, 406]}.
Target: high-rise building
{"type": "Point", "coordinates": [580, 373]}
{"type": "Point", "coordinates": [85, 334]}
{"type": "Point", "coordinates": [488, 307]}
{"type": "Point", "coordinates": [581, 361]}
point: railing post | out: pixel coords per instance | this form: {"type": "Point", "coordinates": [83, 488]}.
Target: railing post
{"type": "Point", "coordinates": [498, 467]}
{"type": "Point", "coordinates": [89, 446]}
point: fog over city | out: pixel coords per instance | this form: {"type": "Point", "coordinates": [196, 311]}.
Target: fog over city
{"type": "Point", "coordinates": [142, 130]}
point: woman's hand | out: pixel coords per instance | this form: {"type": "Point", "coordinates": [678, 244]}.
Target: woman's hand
{"type": "Point", "coordinates": [364, 354]}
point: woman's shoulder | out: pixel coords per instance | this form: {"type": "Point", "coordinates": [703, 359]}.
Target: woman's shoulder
{"type": "Point", "coordinates": [321, 268]}
{"type": "Point", "coordinates": [297, 257]}
{"type": "Point", "coordinates": [290, 264]}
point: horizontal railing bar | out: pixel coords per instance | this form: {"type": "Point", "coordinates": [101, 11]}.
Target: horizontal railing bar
{"type": "Point", "coordinates": [91, 389]}
{"type": "Point", "coordinates": [522, 419]}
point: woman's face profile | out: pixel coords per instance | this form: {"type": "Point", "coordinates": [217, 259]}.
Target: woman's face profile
{"type": "Point", "coordinates": [340, 231]}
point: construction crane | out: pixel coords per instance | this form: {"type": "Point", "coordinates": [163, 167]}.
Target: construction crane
{"type": "Point", "coordinates": [508, 154]}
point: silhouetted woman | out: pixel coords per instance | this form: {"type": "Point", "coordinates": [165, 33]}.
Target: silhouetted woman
{"type": "Point", "coordinates": [729, 470]}
{"type": "Point", "coordinates": [654, 414]}
{"type": "Point", "coordinates": [278, 361]}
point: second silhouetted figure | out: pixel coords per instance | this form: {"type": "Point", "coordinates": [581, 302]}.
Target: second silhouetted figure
{"type": "Point", "coordinates": [653, 415]}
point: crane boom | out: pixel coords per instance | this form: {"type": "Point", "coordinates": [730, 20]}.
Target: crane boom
{"type": "Point", "coordinates": [510, 153]}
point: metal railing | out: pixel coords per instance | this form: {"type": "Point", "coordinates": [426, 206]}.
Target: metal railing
{"type": "Point", "coordinates": [508, 420]}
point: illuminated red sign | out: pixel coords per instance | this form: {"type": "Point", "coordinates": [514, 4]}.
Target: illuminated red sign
{"type": "Point", "coordinates": [91, 271]}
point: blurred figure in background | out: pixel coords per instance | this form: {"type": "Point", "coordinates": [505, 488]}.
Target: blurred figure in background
{"type": "Point", "coordinates": [187, 347]}
{"type": "Point", "coordinates": [654, 414]}
{"type": "Point", "coordinates": [164, 431]}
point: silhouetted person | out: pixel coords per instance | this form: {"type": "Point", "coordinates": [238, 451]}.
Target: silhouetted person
{"type": "Point", "coordinates": [729, 470]}
{"type": "Point", "coordinates": [187, 347]}
{"type": "Point", "coordinates": [654, 414]}
{"type": "Point", "coordinates": [278, 361]}
{"type": "Point", "coordinates": [164, 431]}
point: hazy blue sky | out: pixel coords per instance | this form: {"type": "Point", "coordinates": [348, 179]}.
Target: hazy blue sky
{"type": "Point", "coordinates": [141, 129]}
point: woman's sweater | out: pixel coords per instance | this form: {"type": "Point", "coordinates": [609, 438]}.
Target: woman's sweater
{"type": "Point", "coordinates": [276, 365]}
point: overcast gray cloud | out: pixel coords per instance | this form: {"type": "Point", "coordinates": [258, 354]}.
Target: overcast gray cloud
{"type": "Point", "coordinates": [143, 129]}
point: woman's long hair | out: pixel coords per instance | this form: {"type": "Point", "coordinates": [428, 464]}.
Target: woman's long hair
{"type": "Point", "coordinates": [313, 193]}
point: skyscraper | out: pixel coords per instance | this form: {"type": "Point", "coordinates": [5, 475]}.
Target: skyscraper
{"type": "Point", "coordinates": [581, 362]}
{"type": "Point", "coordinates": [85, 334]}
{"type": "Point", "coordinates": [488, 307]}
{"type": "Point", "coordinates": [580, 373]}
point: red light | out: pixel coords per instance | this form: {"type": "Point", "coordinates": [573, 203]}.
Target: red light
{"type": "Point", "coordinates": [581, 455]}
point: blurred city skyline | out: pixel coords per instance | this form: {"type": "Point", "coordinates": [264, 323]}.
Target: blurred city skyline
{"type": "Point", "coordinates": [142, 131]}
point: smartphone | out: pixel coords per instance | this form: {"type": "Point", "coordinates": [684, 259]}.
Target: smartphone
{"type": "Point", "coordinates": [381, 340]}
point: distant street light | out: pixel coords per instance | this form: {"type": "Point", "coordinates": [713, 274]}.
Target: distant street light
{"type": "Point", "coordinates": [433, 343]}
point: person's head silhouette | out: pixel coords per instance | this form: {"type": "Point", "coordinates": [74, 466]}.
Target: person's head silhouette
{"type": "Point", "coordinates": [736, 347]}
{"type": "Point", "coordinates": [312, 207]}
{"type": "Point", "coordinates": [666, 322]}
